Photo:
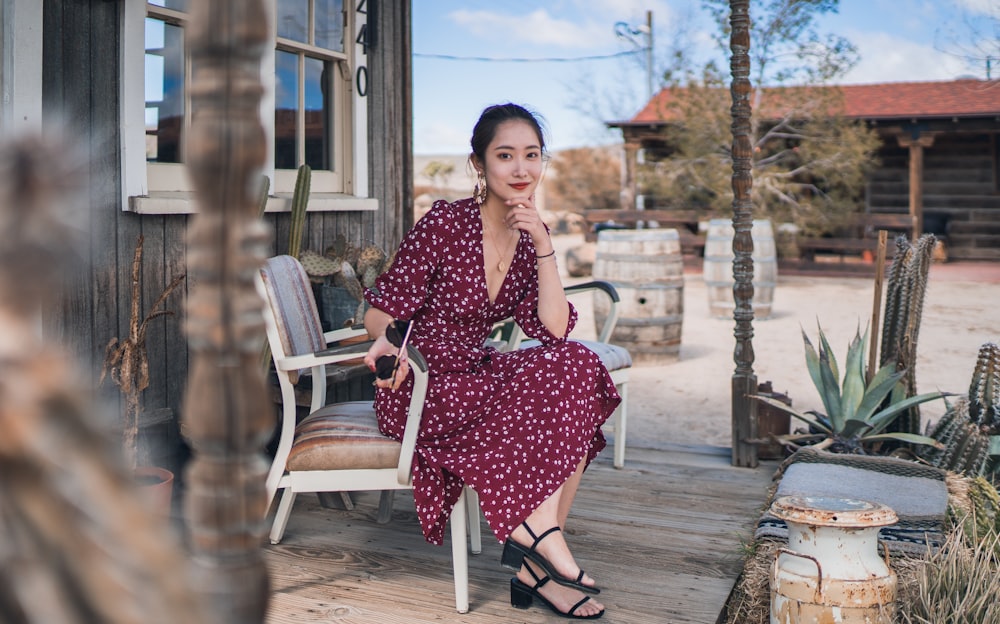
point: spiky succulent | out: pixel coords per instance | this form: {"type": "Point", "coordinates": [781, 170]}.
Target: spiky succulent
{"type": "Point", "coordinates": [857, 410]}
{"type": "Point", "coordinates": [968, 431]}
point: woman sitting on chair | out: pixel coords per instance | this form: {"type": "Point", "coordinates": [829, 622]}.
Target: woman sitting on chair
{"type": "Point", "coordinates": [518, 427]}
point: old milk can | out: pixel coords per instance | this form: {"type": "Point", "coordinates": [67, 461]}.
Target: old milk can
{"type": "Point", "coordinates": [831, 571]}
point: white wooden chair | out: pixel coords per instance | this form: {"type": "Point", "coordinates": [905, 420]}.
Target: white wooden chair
{"type": "Point", "coordinates": [338, 447]}
{"type": "Point", "coordinates": [616, 359]}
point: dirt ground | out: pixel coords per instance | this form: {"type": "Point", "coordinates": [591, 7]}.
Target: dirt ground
{"type": "Point", "coordinates": [687, 400]}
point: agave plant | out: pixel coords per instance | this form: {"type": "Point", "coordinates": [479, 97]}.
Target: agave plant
{"type": "Point", "coordinates": [858, 409]}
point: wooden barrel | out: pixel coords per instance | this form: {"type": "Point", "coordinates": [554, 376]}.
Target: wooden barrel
{"type": "Point", "coordinates": [647, 269]}
{"type": "Point", "coordinates": [718, 268]}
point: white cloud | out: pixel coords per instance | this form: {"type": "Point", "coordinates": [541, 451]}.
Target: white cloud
{"type": "Point", "coordinates": [537, 27]}
{"type": "Point", "coordinates": [885, 58]}
{"type": "Point", "coordinates": [982, 7]}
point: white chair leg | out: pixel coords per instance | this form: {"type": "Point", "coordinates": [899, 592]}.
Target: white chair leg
{"type": "Point", "coordinates": [475, 533]}
{"type": "Point", "coordinates": [385, 507]}
{"type": "Point", "coordinates": [281, 515]}
{"type": "Point", "coordinates": [621, 417]}
{"type": "Point", "coordinates": [460, 553]}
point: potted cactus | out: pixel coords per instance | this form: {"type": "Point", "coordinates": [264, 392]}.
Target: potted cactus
{"type": "Point", "coordinates": [858, 409]}
{"type": "Point", "coordinates": [126, 364]}
{"type": "Point", "coordinates": [341, 274]}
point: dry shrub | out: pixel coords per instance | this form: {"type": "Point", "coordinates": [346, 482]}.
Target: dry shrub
{"type": "Point", "coordinates": [956, 585]}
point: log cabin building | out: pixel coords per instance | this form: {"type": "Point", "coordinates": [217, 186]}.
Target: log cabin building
{"type": "Point", "coordinates": [114, 77]}
{"type": "Point", "coordinates": [939, 157]}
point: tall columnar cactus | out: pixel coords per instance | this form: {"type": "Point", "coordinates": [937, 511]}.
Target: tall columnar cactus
{"type": "Point", "coordinates": [300, 201]}
{"type": "Point", "coordinates": [968, 427]}
{"type": "Point", "coordinates": [904, 304]}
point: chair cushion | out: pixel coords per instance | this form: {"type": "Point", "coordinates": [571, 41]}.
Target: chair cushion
{"type": "Point", "coordinates": [342, 436]}
{"type": "Point", "coordinates": [612, 356]}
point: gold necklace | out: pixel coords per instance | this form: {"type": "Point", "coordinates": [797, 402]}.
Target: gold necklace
{"type": "Point", "coordinates": [500, 265]}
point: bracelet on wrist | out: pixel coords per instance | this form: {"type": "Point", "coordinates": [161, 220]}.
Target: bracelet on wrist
{"type": "Point", "coordinates": [548, 255]}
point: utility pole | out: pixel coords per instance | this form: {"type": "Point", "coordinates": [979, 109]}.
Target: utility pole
{"type": "Point", "coordinates": [624, 31]}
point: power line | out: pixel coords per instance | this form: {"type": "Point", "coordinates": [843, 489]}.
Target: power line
{"type": "Point", "coordinates": [485, 59]}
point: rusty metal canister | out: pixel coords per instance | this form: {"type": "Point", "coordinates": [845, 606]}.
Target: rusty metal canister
{"type": "Point", "coordinates": [831, 571]}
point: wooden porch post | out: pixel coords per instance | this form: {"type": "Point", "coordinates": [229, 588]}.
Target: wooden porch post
{"type": "Point", "coordinates": [744, 382]}
{"type": "Point", "coordinates": [629, 165]}
{"type": "Point", "coordinates": [916, 142]}
{"type": "Point", "coordinates": [226, 415]}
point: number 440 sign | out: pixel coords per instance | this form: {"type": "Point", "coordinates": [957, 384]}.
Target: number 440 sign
{"type": "Point", "coordinates": [365, 38]}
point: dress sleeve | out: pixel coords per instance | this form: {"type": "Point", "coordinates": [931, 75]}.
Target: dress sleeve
{"type": "Point", "coordinates": [526, 316]}
{"type": "Point", "coordinates": [403, 289]}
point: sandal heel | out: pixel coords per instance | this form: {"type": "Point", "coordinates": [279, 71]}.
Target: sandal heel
{"type": "Point", "coordinates": [520, 595]}
{"type": "Point", "coordinates": [512, 557]}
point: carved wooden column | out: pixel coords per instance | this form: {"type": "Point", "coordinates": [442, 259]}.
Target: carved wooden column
{"type": "Point", "coordinates": [628, 191]}
{"type": "Point", "coordinates": [744, 382]}
{"type": "Point", "coordinates": [226, 414]}
{"type": "Point", "coordinates": [916, 142]}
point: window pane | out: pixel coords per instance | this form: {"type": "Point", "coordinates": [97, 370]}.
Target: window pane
{"type": "Point", "coordinates": [164, 65]}
{"type": "Point", "coordinates": [317, 114]}
{"type": "Point", "coordinates": [293, 20]}
{"type": "Point", "coordinates": [286, 104]}
{"type": "Point", "coordinates": [177, 5]}
{"type": "Point", "coordinates": [330, 24]}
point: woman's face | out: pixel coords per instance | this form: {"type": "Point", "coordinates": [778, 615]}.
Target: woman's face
{"type": "Point", "coordinates": [513, 161]}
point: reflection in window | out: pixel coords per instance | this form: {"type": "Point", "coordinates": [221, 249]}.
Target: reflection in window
{"type": "Point", "coordinates": [327, 27]}
{"type": "Point", "coordinates": [317, 135]}
{"type": "Point", "coordinates": [311, 44]}
{"type": "Point", "coordinates": [286, 104]}
{"type": "Point", "coordinates": [177, 5]}
{"type": "Point", "coordinates": [302, 112]}
{"type": "Point", "coordinates": [164, 65]}
{"type": "Point", "coordinates": [293, 20]}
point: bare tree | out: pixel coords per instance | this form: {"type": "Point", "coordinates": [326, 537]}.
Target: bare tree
{"type": "Point", "coordinates": [809, 162]}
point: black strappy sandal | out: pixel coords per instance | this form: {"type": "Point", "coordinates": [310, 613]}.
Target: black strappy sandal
{"type": "Point", "coordinates": [522, 596]}
{"type": "Point", "coordinates": [514, 555]}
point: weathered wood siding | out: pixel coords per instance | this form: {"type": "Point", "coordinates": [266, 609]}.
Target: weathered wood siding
{"type": "Point", "coordinates": [961, 198]}
{"type": "Point", "coordinates": [81, 90]}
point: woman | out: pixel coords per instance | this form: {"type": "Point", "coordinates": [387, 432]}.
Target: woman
{"type": "Point", "coordinates": [518, 427]}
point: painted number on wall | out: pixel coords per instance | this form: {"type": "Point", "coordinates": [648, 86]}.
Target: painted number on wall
{"type": "Point", "coordinates": [361, 75]}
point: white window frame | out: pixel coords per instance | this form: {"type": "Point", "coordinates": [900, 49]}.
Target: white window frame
{"type": "Point", "coordinates": [21, 72]}
{"type": "Point", "coordinates": [161, 188]}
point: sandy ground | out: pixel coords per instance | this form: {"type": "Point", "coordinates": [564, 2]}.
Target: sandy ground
{"type": "Point", "coordinates": [688, 400]}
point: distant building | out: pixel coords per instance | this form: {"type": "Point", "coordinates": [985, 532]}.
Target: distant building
{"type": "Point", "coordinates": [940, 157]}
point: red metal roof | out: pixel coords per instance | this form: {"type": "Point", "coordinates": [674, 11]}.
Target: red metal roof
{"type": "Point", "coordinates": [952, 98]}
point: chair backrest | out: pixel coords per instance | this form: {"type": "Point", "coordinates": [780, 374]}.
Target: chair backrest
{"type": "Point", "coordinates": [290, 296]}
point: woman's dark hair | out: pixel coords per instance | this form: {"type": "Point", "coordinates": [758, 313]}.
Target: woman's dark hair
{"type": "Point", "coordinates": [490, 120]}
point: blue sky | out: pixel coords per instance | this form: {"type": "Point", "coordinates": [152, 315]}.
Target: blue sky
{"type": "Point", "coordinates": [899, 40]}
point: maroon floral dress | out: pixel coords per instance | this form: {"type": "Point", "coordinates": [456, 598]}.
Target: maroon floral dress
{"type": "Point", "coordinates": [513, 425]}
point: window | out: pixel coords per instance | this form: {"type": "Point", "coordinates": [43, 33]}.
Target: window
{"type": "Point", "coordinates": [313, 110]}
{"type": "Point", "coordinates": [20, 66]}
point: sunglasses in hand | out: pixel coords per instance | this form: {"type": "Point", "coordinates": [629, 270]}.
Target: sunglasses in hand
{"type": "Point", "coordinates": [398, 334]}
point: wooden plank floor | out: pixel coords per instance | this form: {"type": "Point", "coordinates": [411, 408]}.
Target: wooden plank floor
{"type": "Point", "coordinates": [663, 537]}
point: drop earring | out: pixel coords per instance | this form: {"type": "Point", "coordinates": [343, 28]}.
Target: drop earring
{"type": "Point", "coordinates": [479, 191]}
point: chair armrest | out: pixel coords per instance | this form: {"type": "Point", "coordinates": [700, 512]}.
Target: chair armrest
{"type": "Point", "coordinates": [322, 358]}
{"type": "Point", "coordinates": [608, 289]}
{"type": "Point", "coordinates": [514, 341]}
{"type": "Point", "coordinates": [418, 365]}
{"type": "Point", "coordinates": [337, 335]}
{"type": "Point", "coordinates": [613, 299]}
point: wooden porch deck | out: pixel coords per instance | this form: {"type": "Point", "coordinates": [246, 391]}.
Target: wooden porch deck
{"type": "Point", "coordinates": [663, 536]}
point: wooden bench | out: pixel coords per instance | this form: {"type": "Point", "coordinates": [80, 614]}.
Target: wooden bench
{"type": "Point", "coordinates": [684, 221]}
{"type": "Point", "coordinates": [860, 235]}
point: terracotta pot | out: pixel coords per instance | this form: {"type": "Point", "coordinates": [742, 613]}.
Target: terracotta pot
{"type": "Point", "coordinates": [156, 485]}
